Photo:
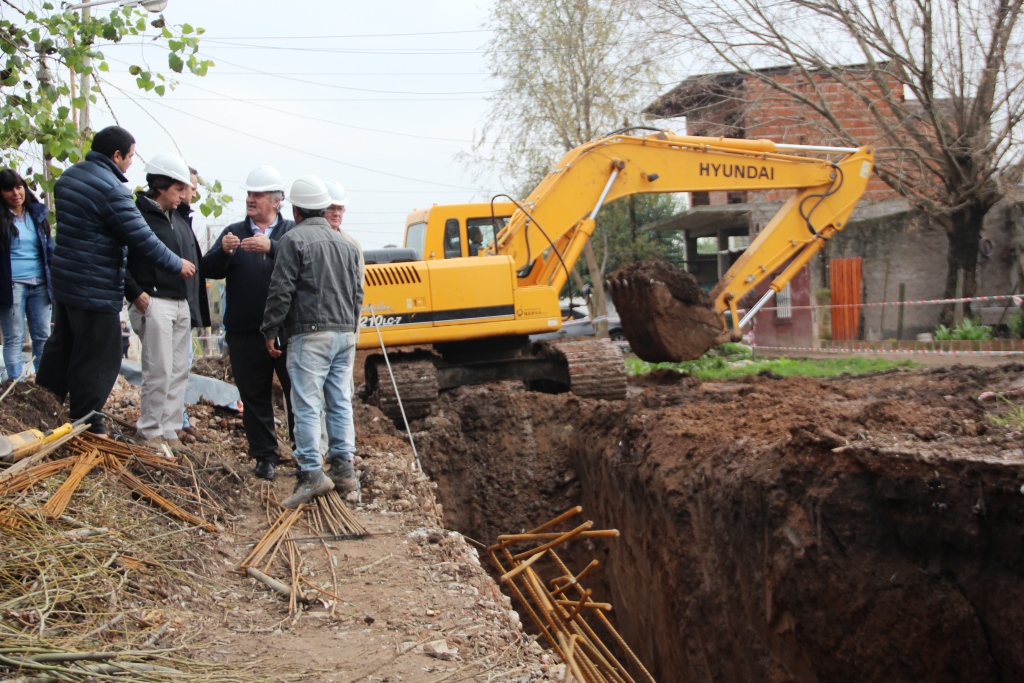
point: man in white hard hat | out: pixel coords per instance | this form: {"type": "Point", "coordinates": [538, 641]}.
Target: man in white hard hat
{"type": "Point", "coordinates": [96, 220]}
{"type": "Point", "coordinates": [198, 300]}
{"type": "Point", "coordinates": [315, 298]}
{"type": "Point", "coordinates": [336, 213]}
{"type": "Point", "coordinates": [244, 256]}
{"type": "Point", "coordinates": [158, 305]}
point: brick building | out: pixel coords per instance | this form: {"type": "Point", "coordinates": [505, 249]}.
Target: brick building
{"type": "Point", "coordinates": [885, 245]}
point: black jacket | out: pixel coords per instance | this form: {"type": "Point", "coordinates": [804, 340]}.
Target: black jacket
{"type": "Point", "coordinates": [201, 317]}
{"type": "Point", "coordinates": [142, 275]}
{"type": "Point", "coordinates": [96, 219]}
{"type": "Point", "coordinates": [246, 275]}
{"type": "Point", "coordinates": [37, 212]}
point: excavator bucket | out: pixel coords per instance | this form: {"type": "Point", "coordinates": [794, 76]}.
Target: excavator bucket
{"type": "Point", "coordinates": [665, 314]}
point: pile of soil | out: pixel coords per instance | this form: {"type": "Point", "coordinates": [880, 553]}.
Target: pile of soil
{"type": "Point", "coordinates": [665, 314]}
{"type": "Point", "coordinates": [218, 367]}
{"type": "Point", "coordinates": [28, 406]}
{"type": "Point", "coordinates": [858, 528]}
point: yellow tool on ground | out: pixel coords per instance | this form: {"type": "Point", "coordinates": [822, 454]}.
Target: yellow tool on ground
{"type": "Point", "coordinates": [14, 447]}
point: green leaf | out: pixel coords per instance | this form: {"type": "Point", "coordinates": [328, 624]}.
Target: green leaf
{"type": "Point", "coordinates": [159, 90]}
{"type": "Point", "coordinates": [134, 70]}
{"type": "Point", "coordinates": [187, 28]}
{"type": "Point", "coordinates": [103, 66]}
{"type": "Point", "coordinates": [175, 62]}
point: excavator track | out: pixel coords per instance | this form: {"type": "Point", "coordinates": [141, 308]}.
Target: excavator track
{"type": "Point", "coordinates": [596, 369]}
{"type": "Point", "coordinates": [416, 377]}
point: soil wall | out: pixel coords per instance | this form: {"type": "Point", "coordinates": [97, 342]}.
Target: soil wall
{"type": "Point", "coordinates": [858, 529]}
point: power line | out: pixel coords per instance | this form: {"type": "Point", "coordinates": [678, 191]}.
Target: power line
{"type": "Point", "coordinates": [302, 151]}
{"type": "Point", "coordinates": [342, 87]}
{"type": "Point", "coordinates": [229, 98]}
{"type": "Point", "coordinates": [329, 99]}
{"type": "Point", "coordinates": [352, 35]}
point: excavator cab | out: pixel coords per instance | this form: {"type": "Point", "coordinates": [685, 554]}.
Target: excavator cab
{"type": "Point", "coordinates": [455, 230]}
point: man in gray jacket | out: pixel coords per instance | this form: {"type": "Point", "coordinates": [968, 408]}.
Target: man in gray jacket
{"type": "Point", "coordinates": [316, 294]}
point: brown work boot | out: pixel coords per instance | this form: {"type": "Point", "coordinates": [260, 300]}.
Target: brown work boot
{"type": "Point", "coordinates": [343, 474]}
{"type": "Point", "coordinates": [194, 433]}
{"type": "Point", "coordinates": [308, 486]}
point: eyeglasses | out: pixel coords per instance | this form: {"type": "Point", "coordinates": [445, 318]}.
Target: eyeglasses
{"type": "Point", "coordinates": [335, 209]}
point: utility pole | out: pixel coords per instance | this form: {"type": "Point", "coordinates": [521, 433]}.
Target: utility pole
{"type": "Point", "coordinates": [83, 118]}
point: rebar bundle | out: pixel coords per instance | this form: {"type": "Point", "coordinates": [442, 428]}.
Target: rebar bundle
{"type": "Point", "coordinates": [567, 623]}
{"type": "Point", "coordinates": [328, 517]}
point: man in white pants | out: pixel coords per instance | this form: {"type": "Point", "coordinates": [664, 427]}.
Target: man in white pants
{"type": "Point", "coordinates": [159, 306]}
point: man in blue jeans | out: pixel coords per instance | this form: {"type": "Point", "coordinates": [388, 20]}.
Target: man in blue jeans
{"type": "Point", "coordinates": [316, 294]}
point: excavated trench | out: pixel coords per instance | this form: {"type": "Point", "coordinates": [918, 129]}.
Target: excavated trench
{"type": "Point", "coordinates": [850, 529]}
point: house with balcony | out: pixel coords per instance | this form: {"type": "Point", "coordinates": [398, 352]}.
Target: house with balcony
{"type": "Point", "coordinates": [886, 252]}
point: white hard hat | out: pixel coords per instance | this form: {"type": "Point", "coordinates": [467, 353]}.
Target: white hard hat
{"type": "Point", "coordinates": [264, 179]}
{"type": "Point", "coordinates": [337, 190]}
{"type": "Point", "coordinates": [309, 192]}
{"type": "Point", "coordinates": [170, 165]}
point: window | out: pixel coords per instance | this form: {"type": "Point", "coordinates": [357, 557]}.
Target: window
{"type": "Point", "coordinates": [452, 239]}
{"type": "Point", "coordinates": [738, 197]}
{"type": "Point", "coordinates": [480, 232]}
{"type": "Point", "coordinates": [707, 245]}
{"type": "Point", "coordinates": [783, 305]}
{"type": "Point", "coordinates": [414, 238]}
{"type": "Point", "coordinates": [700, 199]}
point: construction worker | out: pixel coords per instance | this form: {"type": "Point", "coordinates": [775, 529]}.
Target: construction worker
{"type": "Point", "coordinates": [315, 298]}
{"type": "Point", "coordinates": [159, 307]}
{"type": "Point", "coordinates": [476, 240]}
{"type": "Point", "coordinates": [336, 213]}
{"type": "Point", "coordinates": [96, 220]}
{"type": "Point", "coordinates": [198, 300]}
{"type": "Point", "coordinates": [244, 256]}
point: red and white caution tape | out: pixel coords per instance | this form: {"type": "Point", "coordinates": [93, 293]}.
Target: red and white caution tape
{"type": "Point", "coordinates": [1015, 298]}
{"type": "Point", "coordinates": [912, 351]}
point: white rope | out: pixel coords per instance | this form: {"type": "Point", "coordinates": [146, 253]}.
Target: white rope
{"type": "Point", "coordinates": [376, 325]}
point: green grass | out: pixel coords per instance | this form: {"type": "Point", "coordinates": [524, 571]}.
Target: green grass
{"type": "Point", "coordinates": [1012, 418]}
{"type": "Point", "coordinates": [735, 360]}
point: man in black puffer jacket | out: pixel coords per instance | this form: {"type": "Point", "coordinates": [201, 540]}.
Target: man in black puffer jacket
{"type": "Point", "coordinates": [96, 220]}
{"type": "Point", "coordinates": [244, 256]}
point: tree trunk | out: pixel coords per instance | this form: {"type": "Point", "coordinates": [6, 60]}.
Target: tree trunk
{"type": "Point", "coordinates": [599, 309]}
{"type": "Point", "coordinates": [964, 233]}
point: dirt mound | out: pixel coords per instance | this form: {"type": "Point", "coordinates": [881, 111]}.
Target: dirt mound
{"type": "Point", "coordinates": [29, 407]}
{"type": "Point", "coordinates": [213, 366]}
{"type": "Point", "coordinates": [786, 529]}
{"type": "Point", "coordinates": [665, 314]}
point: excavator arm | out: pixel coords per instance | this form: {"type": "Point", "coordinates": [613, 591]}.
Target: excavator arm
{"type": "Point", "coordinates": [545, 237]}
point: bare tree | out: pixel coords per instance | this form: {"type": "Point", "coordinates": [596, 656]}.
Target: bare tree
{"type": "Point", "coordinates": [568, 70]}
{"type": "Point", "coordinates": [939, 83]}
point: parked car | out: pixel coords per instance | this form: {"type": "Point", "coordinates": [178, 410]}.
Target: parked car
{"type": "Point", "coordinates": [576, 323]}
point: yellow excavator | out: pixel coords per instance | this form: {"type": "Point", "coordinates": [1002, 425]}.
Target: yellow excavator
{"type": "Point", "coordinates": [470, 318]}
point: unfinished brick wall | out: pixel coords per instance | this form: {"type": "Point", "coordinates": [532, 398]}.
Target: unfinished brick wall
{"type": "Point", "coordinates": [756, 110]}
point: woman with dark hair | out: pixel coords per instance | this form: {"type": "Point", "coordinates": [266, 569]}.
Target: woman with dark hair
{"type": "Point", "coordinates": [26, 248]}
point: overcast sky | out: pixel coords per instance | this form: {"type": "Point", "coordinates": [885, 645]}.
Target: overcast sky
{"type": "Point", "coordinates": [379, 96]}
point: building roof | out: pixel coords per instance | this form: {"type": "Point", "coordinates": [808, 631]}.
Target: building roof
{"type": "Point", "coordinates": [706, 90]}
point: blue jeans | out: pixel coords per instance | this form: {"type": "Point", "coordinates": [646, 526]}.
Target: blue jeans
{"type": "Point", "coordinates": [30, 301]}
{"type": "Point", "coordinates": [320, 367]}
